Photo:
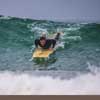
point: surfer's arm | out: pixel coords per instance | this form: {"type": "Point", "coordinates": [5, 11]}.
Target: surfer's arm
{"type": "Point", "coordinates": [36, 43]}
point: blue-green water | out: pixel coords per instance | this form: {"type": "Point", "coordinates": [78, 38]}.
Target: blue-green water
{"type": "Point", "coordinates": [76, 69]}
{"type": "Point", "coordinates": [80, 44]}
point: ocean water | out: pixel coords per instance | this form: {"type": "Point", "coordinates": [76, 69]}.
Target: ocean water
{"type": "Point", "coordinates": [73, 69]}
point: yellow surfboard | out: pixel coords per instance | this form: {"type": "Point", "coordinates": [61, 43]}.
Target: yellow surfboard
{"type": "Point", "coordinates": [38, 53]}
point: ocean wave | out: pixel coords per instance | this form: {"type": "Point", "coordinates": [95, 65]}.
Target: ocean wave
{"type": "Point", "coordinates": [28, 84]}
{"type": "Point", "coordinates": [79, 43]}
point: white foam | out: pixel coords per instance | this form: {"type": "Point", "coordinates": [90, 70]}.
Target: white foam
{"type": "Point", "coordinates": [72, 28]}
{"type": "Point", "coordinates": [75, 38]}
{"type": "Point", "coordinates": [12, 83]}
{"type": "Point", "coordinates": [35, 28]}
{"type": "Point", "coordinates": [5, 17]}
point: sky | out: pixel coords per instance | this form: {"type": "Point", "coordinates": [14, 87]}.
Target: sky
{"type": "Point", "coordinates": [61, 10]}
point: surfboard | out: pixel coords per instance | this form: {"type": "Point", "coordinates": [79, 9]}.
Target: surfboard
{"type": "Point", "coordinates": [39, 53]}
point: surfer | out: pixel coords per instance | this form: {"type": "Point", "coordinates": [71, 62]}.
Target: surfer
{"type": "Point", "coordinates": [45, 43]}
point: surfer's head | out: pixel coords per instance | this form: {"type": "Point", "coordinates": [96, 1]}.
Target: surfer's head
{"type": "Point", "coordinates": [42, 41]}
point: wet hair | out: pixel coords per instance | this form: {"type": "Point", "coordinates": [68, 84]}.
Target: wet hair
{"type": "Point", "coordinates": [42, 38]}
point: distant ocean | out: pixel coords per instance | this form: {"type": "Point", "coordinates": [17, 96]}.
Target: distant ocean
{"type": "Point", "coordinates": [76, 69]}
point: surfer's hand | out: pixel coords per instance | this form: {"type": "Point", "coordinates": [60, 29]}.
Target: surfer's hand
{"type": "Point", "coordinates": [50, 48]}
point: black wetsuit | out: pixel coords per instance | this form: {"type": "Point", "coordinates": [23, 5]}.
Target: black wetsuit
{"type": "Point", "coordinates": [49, 43]}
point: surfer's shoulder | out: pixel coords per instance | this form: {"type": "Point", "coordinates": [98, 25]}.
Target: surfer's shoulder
{"type": "Point", "coordinates": [37, 40]}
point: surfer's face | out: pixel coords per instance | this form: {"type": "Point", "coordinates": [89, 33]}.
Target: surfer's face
{"type": "Point", "coordinates": [42, 42]}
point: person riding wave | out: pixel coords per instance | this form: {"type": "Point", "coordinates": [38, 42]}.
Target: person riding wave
{"type": "Point", "coordinates": [45, 43]}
